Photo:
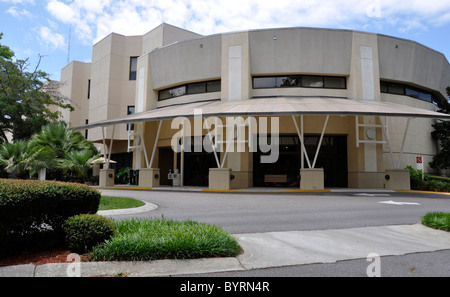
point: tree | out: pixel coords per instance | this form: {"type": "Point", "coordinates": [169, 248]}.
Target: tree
{"type": "Point", "coordinates": [78, 163]}
{"type": "Point", "coordinates": [28, 99]}
{"type": "Point", "coordinates": [22, 160]}
{"type": "Point", "coordinates": [72, 151]}
{"type": "Point", "coordinates": [62, 140]}
{"type": "Point", "coordinates": [441, 134]}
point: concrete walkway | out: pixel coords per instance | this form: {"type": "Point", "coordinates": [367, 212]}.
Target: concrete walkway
{"type": "Point", "coordinates": [263, 250]}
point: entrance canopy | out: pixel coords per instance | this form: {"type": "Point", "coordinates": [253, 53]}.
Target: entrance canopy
{"type": "Point", "coordinates": [276, 106]}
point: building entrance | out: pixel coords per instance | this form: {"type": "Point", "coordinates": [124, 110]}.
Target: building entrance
{"type": "Point", "coordinates": [286, 171]}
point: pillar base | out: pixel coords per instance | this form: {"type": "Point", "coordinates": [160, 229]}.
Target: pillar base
{"type": "Point", "coordinates": [219, 178]}
{"type": "Point", "coordinates": [312, 179]}
{"type": "Point", "coordinates": [397, 179]}
{"type": "Point", "coordinates": [149, 178]}
{"type": "Point", "coordinates": [106, 178]}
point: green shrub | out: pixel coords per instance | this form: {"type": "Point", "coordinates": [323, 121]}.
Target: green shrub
{"type": "Point", "coordinates": [437, 220]}
{"type": "Point", "coordinates": [83, 232]}
{"type": "Point", "coordinates": [428, 183]}
{"type": "Point", "coordinates": [30, 207]}
{"type": "Point", "coordinates": [144, 240]}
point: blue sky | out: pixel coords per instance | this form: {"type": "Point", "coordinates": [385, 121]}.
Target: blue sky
{"type": "Point", "coordinates": [33, 27]}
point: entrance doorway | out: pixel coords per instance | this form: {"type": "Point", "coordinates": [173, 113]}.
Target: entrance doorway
{"type": "Point", "coordinates": [196, 167]}
{"type": "Point", "coordinates": [286, 171]}
{"type": "Point", "coordinates": [165, 160]}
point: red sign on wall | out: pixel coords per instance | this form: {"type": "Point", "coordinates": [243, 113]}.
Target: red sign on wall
{"type": "Point", "coordinates": [419, 160]}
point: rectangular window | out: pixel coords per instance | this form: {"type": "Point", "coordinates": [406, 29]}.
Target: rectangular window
{"type": "Point", "coordinates": [197, 88]}
{"type": "Point", "coordinates": [312, 82]}
{"type": "Point", "coordinates": [86, 133]}
{"type": "Point", "coordinates": [402, 89]}
{"type": "Point", "coordinates": [190, 89]}
{"type": "Point", "coordinates": [213, 86]}
{"type": "Point", "coordinates": [133, 68]}
{"type": "Point", "coordinates": [264, 82]}
{"type": "Point", "coordinates": [335, 82]}
{"type": "Point", "coordinates": [412, 93]}
{"type": "Point", "coordinates": [171, 93]}
{"type": "Point", "coordinates": [396, 89]}
{"type": "Point", "coordinates": [89, 89]}
{"type": "Point", "coordinates": [300, 81]}
{"type": "Point", "coordinates": [130, 110]}
{"type": "Point", "coordinates": [426, 97]}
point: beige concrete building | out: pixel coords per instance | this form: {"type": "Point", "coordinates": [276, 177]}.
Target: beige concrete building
{"type": "Point", "coordinates": [335, 108]}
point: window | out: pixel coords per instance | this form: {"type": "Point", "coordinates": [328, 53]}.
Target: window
{"type": "Point", "coordinates": [86, 131]}
{"type": "Point", "coordinates": [190, 89]}
{"type": "Point", "coordinates": [213, 86]}
{"type": "Point", "coordinates": [89, 89]}
{"type": "Point", "coordinates": [401, 89]}
{"type": "Point", "coordinates": [130, 110]}
{"type": "Point", "coordinates": [312, 82]}
{"type": "Point", "coordinates": [133, 68]}
{"type": "Point", "coordinates": [300, 81]}
{"type": "Point", "coordinates": [335, 82]}
{"type": "Point", "coordinates": [196, 88]}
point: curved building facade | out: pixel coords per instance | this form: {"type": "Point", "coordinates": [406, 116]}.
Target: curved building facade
{"type": "Point", "coordinates": [292, 107]}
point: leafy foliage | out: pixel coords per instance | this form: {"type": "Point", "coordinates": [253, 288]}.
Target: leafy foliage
{"type": "Point", "coordinates": [31, 207]}
{"type": "Point", "coordinates": [85, 231]}
{"type": "Point", "coordinates": [441, 134]}
{"type": "Point", "coordinates": [28, 98]}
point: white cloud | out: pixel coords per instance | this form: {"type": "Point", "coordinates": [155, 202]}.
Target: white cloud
{"type": "Point", "coordinates": [93, 20]}
{"type": "Point", "coordinates": [19, 13]}
{"type": "Point", "coordinates": [51, 38]}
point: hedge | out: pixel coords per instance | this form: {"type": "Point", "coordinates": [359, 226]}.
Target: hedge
{"type": "Point", "coordinates": [428, 183]}
{"type": "Point", "coordinates": [29, 207]}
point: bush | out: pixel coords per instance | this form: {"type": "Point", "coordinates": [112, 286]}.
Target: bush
{"type": "Point", "coordinates": [83, 232]}
{"type": "Point", "coordinates": [428, 183]}
{"type": "Point", "coordinates": [31, 207]}
{"type": "Point", "coordinates": [437, 220]}
{"type": "Point", "coordinates": [144, 240]}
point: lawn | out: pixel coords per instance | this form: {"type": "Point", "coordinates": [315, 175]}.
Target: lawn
{"type": "Point", "coordinates": [108, 202]}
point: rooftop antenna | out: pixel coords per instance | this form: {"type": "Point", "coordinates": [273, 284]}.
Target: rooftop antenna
{"type": "Point", "coordinates": [68, 51]}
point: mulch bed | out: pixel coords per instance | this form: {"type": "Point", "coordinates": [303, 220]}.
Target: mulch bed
{"type": "Point", "coordinates": [39, 258]}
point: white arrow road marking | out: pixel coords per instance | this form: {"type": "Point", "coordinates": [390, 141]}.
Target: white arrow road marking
{"type": "Point", "coordinates": [399, 203]}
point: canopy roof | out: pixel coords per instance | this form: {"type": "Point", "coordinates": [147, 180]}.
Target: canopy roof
{"type": "Point", "coordinates": [276, 106]}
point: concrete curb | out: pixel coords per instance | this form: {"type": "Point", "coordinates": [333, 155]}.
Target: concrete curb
{"type": "Point", "coordinates": [265, 250]}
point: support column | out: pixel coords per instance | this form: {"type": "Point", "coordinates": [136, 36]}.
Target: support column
{"type": "Point", "coordinates": [149, 177]}
{"type": "Point", "coordinates": [312, 179]}
{"type": "Point", "coordinates": [397, 179]}
{"type": "Point", "coordinates": [220, 178]}
{"type": "Point", "coordinates": [106, 178]}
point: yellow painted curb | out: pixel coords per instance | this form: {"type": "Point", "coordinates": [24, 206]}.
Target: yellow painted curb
{"type": "Point", "coordinates": [286, 191]}
{"type": "Point", "coordinates": [122, 188]}
{"type": "Point", "coordinates": [422, 192]}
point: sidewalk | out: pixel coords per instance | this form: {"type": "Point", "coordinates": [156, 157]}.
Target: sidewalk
{"type": "Point", "coordinates": [264, 250]}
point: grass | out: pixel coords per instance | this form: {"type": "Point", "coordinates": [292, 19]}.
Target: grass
{"type": "Point", "coordinates": [437, 220]}
{"type": "Point", "coordinates": [145, 239]}
{"type": "Point", "coordinates": [108, 202]}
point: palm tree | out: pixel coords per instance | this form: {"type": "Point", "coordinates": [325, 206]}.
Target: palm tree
{"type": "Point", "coordinates": [62, 140]}
{"type": "Point", "coordinates": [78, 163]}
{"type": "Point", "coordinates": [69, 146]}
{"type": "Point", "coordinates": [22, 160]}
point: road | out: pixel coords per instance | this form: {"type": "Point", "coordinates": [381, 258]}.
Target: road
{"type": "Point", "coordinates": [256, 212]}
{"type": "Point", "coordinates": [249, 213]}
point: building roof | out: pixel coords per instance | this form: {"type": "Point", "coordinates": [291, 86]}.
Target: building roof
{"type": "Point", "coordinates": [276, 106]}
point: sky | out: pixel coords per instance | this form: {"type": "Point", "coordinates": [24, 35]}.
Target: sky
{"type": "Point", "coordinates": [65, 30]}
